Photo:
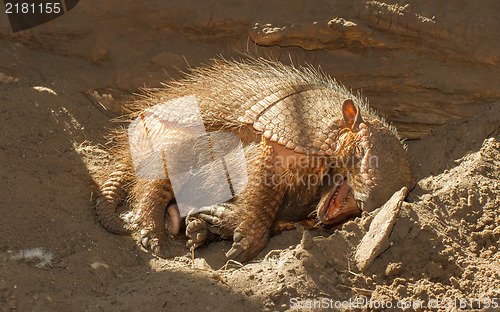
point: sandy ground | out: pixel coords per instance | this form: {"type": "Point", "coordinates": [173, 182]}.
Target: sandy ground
{"type": "Point", "coordinates": [444, 246]}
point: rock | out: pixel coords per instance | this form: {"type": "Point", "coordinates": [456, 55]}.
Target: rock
{"type": "Point", "coordinates": [376, 240]}
{"type": "Point", "coordinates": [307, 241]}
{"type": "Point", "coordinates": [337, 33]}
{"type": "Point", "coordinates": [393, 269]}
{"type": "Point", "coordinates": [202, 264]}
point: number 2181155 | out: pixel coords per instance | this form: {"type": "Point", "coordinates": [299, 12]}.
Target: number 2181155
{"type": "Point", "coordinates": [26, 8]}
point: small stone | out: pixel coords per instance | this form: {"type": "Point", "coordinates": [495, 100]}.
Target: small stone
{"type": "Point", "coordinates": [471, 200]}
{"type": "Point", "coordinates": [426, 227]}
{"type": "Point", "coordinates": [307, 240]}
{"type": "Point", "coordinates": [455, 282]}
{"type": "Point", "coordinates": [201, 263]}
{"type": "Point", "coordinates": [393, 269]}
{"type": "Point", "coordinates": [487, 254]}
{"type": "Point", "coordinates": [426, 197]}
{"type": "Point", "coordinates": [350, 226]}
{"type": "Point", "coordinates": [376, 240]}
{"type": "Point", "coordinates": [474, 247]}
{"type": "Point", "coordinates": [300, 254]}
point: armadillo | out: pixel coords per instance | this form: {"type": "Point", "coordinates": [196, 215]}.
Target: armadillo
{"type": "Point", "coordinates": [313, 153]}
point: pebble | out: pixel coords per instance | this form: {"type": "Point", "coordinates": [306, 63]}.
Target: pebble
{"type": "Point", "coordinates": [201, 263]}
{"type": "Point", "coordinates": [307, 240]}
{"type": "Point", "coordinates": [394, 269]}
{"type": "Point", "coordinates": [454, 282]}
{"type": "Point", "coordinates": [471, 200]}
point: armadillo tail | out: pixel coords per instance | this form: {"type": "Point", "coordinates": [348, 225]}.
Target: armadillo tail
{"type": "Point", "coordinates": [111, 195]}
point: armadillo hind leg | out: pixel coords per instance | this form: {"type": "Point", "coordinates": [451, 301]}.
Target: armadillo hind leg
{"type": "Point", "coordinates": [110, 197]}
{"type": "Point", "coordinates": [148, 215]}
{"type": "Point", "coordinates": [248, 217]}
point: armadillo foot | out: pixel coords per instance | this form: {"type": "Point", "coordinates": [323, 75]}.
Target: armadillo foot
{"type": "Point", "coordinates": [248, 240]}
{"type": "Point", "coordinates": [197, 232]}
{"type": "Point", "coordinates": [156, 241]}
{"type": "Point", "coordinates": [217, 219]}
{"type": "Point", "coordinates": [249, 236]}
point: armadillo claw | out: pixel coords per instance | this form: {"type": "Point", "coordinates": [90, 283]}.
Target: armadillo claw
{"type": "Point", "coordinates": [156, 242]}
{"type": "Point", "coordinates": [236, 251]}
{"type": "Point", "coordinates": [196, 232]}
{"type": "Point", "coordinates": [247, 245]}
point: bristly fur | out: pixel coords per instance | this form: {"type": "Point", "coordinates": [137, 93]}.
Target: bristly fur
{"type": "Point", "coordinates": [245, 75]}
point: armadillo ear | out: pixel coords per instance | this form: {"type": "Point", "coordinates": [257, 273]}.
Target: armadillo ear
{"type": "Point", "coordinates": [352, 115]}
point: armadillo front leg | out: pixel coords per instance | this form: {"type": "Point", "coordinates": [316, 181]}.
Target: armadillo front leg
{"type": "Point", "coordinates": [250, 215]}
{"type": "Point", "coordinates": [252, 233]}
{"type": "Point", "coordinates": [148, 216]}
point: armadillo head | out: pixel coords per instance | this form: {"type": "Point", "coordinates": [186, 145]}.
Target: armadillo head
{"type": "Point", "coordinates": [387, 169]}
{"type": "Point", "coordinates": [379, 167]}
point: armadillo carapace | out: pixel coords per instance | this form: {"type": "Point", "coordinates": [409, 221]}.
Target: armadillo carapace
{"type": "Point", "coordinates": [314, 153]}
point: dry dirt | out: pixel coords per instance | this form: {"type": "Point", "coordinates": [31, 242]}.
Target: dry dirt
{"type": "Point", "coordinates": [444, 249]}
